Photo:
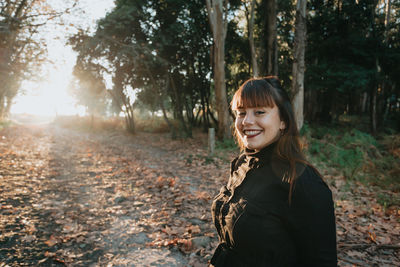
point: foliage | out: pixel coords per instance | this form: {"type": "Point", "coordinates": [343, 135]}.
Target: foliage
{"type": "Point", "coordinates": [89, 89]}
{"type": "Point", "coordinates": [355, 154]}
{"type": "Point", "coordinates": [153, 124]}
{"type": "Point", "coordinates": [228, 144]}
{"type": "Point", "coordinates": [22, 49]}
{"type": "Point", "coordinates": [158, 49]}
{"type": "Point", "coordinates": [20, 53]}
{"type": "Point", "coordinates": [351, 52]}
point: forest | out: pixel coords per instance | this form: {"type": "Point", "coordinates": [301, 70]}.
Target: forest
{"type": "Point", "coordinates": [337, 59]}
{"type": "Point", "coordinates": [164, 73]}
{"type": "Point", "coordinates": [344, 54]}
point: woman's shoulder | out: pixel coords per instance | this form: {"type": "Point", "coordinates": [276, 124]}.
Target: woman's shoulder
{"type": "Point", "coordinates": [308, 174]}
{"type": "Point", "coordinates": [310, 184]}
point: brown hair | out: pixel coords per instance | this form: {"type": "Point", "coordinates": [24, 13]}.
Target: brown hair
{"type": "Point", "coordinates": [268, 92]}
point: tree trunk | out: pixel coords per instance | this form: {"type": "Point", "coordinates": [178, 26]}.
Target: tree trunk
{"type": "Point", "coordinates": [364, 102]}
{"type": "Point", "coordinates": [1, 107]}
{"type": "Point", "coordinates": [179, 109]}
{"type": "Point", "coordinates": [299, 62]}
{"type": "Point", "coordinates": [250, 29]}
{"type": "Point", "coordinates": [373, 111]}
{"type": "Point", "coordinates": [165, 116]}
{"type": "Point", "coordinates": [204, 92]}
{"type": "Point", "coordinates": [387, 19]}
{"type": "Point", "coordinates": [269, 53]}
{"type": "Point", "coordinates": [218, 22]}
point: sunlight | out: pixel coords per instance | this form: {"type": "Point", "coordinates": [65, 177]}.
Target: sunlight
{"type": "Point", "coordinates": [48, 98]}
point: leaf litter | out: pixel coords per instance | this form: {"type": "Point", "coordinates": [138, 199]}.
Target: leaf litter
{"type": "Point", "coordinates": [70, 198]}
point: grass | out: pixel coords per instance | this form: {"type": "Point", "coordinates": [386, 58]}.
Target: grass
{"type": "Point", "coordinates": [227, 144]}
{"type": "Point", "coordinates": [88, 123]}
{"type": "Point", "coordinates": [152, 124]}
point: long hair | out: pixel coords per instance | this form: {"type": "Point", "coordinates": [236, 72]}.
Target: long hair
{"type": "Point", "coordinates": [268, 92]}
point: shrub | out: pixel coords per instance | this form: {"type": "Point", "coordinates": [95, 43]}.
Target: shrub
{"type": "Point", "coordinates": [356, 154]}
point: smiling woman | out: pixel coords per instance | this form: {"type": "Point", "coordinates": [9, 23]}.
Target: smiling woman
{"type": "Point", "coordinates": [275, 210]}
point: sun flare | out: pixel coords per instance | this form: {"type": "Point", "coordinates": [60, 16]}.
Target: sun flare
{"type": "Point", "coordinates": [48, 98]}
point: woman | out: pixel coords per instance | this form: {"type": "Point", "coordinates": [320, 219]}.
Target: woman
{"type": "Point", "coordinates": [275, 210]}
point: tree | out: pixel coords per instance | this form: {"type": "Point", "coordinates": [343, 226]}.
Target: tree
{"type": "Point", "coordinates": [217, 16]}
{"type": "Point", "coordinates": [269, 49]}
{"type": "Point", "coordinates": [161, 50]}
{"type": "Point", "coordinates": [250, 28]}
{"type": "Point", "coordinates": [299, 62]}
{"type": "Point", "coordinates": [350, 66]}
{"type": "Point", "coordinates": [90, 89]}
{"type": "Point", "coordinates": [21, 50]}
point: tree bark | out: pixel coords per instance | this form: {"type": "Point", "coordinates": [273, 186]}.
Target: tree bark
{"type": "Point", "coordinates": [269, 52]}
{"type": "Point", "coordinates": [250, 29]}
{"type": "Point", "coordinates": [218, 23]}
{"type": "Point", "coordinates": [387, 19]}
{"type": "Point", "coordinates": [373, 111]}
{"type": "Point", "coordinates": [178, 107]}
{"type": "Point", "coordinates": [299, 62]}
{"type": "Point", "coordinates": [1, 107]}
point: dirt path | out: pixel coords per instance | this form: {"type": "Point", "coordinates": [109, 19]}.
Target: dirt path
{"type": "Point", "coordinates": [73, 198]}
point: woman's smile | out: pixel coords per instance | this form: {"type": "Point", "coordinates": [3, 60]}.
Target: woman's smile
{"type": "Point", "coordinates": [251, 133]}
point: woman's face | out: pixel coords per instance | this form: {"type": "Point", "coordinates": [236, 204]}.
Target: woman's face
{"type": "Point", "coordinates": [258, 127]}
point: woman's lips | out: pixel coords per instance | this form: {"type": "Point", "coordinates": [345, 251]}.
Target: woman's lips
{"type": "Point", "coordinates": [251, 133]}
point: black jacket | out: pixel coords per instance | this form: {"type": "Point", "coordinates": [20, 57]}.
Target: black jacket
{"type": "Point", "coordinates": [258, 227]}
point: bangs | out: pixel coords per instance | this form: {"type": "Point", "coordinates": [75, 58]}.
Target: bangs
{"type": "Point", "coordinates": [253, 94]}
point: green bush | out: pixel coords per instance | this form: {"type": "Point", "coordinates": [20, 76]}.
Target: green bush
{"type": "Point", "coordinates": [356, 154]}
{"type": "Point", "coordinates": [229, 144]}
{"type": "Point", "coordinates": [350, 161]}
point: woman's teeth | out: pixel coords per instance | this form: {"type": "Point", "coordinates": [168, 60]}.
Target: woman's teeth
{"type": "Point", "coordinates": [251, 132]}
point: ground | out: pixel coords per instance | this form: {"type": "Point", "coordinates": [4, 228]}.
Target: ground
{"type": "Point", "coordinates": [108, 198]}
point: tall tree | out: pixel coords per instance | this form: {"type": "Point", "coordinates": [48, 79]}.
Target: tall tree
{"type": "Point", "coordinates": [161, 48]}
{"type": "Point", "coordinates": [299, 61]}
{"type": "Point", "coordinates": [250, 29]}
{"type": "Point", "coordinates": [269, 49]}
{"type": "Point", "coordinates": [217, 15]}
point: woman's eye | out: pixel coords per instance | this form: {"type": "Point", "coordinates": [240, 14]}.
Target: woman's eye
{"type": "Point", "coordinates": [241, 113]}
{"type": "Point", "coordinates": [259, 112]}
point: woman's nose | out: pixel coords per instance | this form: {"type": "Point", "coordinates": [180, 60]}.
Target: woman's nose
{"type": "Point", "coordinates": [248, 119]}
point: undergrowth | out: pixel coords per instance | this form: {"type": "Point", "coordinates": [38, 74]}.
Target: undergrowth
{"type": "Point", "coordinates": [89, 123]}
{"type": "Point", "coordinates": [357, 155]}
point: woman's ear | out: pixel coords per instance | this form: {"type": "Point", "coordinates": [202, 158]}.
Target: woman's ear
{"type": "Point", "coordinates": [282, 126]}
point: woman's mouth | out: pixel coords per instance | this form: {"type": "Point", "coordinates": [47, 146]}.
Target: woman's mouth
{"type": "Point", "coordinates": [251, 133]}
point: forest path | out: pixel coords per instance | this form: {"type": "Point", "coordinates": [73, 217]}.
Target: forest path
{"type": "Point", "coordinates": [76, 198]}
{"type": "Point", "coordinates": [79, 198]}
